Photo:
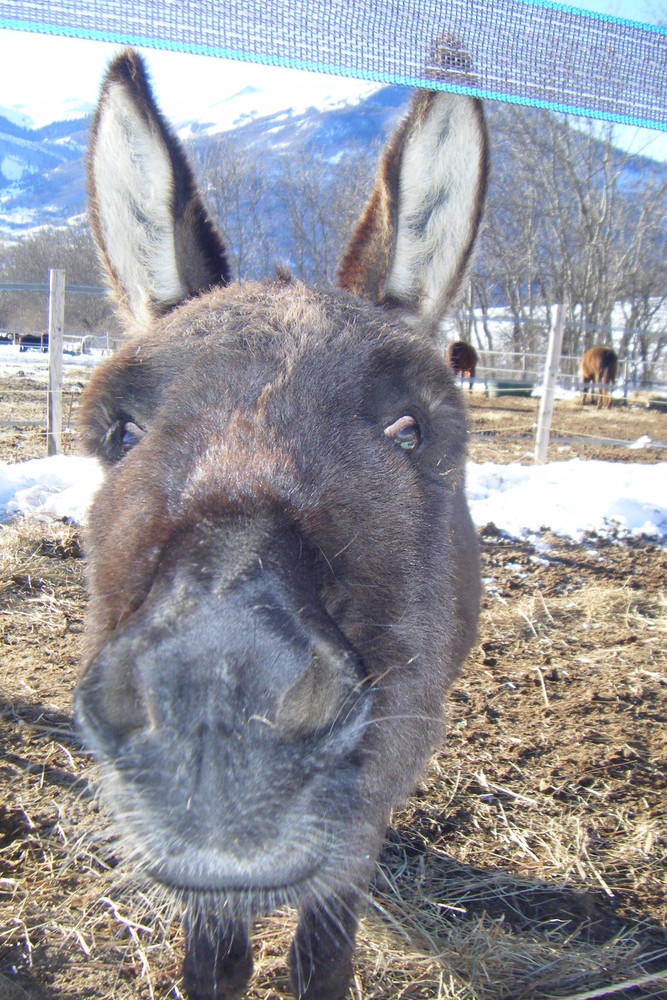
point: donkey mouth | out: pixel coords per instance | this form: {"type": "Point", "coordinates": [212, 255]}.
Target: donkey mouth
{"type": "Point", "coordinates": [261, 882]}
{"type": "Point", "coordinates": [261, 820]}
{"type": "Point", "coordinates": [229, 719]}
{"type": "Point", "coordinates": [279, 860]}
{"type": "Point", "coordinates": [270, 873]}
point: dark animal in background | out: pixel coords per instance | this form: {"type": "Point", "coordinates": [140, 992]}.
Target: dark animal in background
{"type": "Point", "coordinates": [462, 359]}
{"type": "Point", "coordinates": [27, 340]}
{"type": "Point", "coordinates": [597, 371]}
{"type": "Point", "coordinates": [283, 571]}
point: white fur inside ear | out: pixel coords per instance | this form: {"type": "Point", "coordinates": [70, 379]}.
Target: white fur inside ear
{"type": "Point", "coordinates": [439, 190]}
{"type": "Point", "coordinates": [134, 187]}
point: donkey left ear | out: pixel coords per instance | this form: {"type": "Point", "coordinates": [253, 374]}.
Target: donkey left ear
{"type": "Point", "coordinates": [416, 235]}
{"type": "Point", "coordinates": [156, 238]}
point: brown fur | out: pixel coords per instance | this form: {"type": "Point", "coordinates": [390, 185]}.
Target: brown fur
{"type": "Point", "coordinates": [597, 370]}
{"type": "Point", "coordinates": [284, 581]}
{"type": "Point", "coordinates": [462, 359]}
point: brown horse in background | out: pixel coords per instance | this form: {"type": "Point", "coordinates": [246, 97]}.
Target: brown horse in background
{"type": "Point", "coordinates": [597, 370]}
{"type": "Point", "coordinates": [462, 359]}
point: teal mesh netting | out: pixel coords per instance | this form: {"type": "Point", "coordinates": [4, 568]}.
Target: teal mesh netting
{"type": "Point", "coordinates": [527, 51]}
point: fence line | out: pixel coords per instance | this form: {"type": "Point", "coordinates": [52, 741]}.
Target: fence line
{"type": "Point", "coordinates": [493, 365]}
{"type": "Point", "coordinates": [73, 343]}
{"type": "Point", "coordinates": [41, 286]}
{"type": "Point", "coordinates": [58, 343]}
{"type": "Point", "coordinates": [529, 368]}
{"type": "Point", "coordinates": [54, 416]}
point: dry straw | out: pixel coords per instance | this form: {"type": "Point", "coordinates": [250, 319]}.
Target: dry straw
{"type": "Point", "coordinates": [529, 864]}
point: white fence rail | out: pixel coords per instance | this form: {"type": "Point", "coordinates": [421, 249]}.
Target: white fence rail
{"type": "Point", "coordinates": [519, 369]}
{"type": "Point", "coordinates": [522, 366]}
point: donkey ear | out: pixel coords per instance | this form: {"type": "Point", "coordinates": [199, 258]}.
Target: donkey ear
{"type": "Point", "coordinates": [156, 238]}
{"type": "Point", "coordinates": [416, 235]}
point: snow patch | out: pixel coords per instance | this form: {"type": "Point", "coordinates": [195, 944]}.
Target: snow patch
{"type": "Point", "coordinates": [62, 486]}
{"type": "Point", "coordinates": [642, 442]}
{"type": "Point", "coordinates": [567, 498]}
{"type": "Point", "coordinates": [12, 168]}
{"type": "Point", "coordinates": [570, 498]}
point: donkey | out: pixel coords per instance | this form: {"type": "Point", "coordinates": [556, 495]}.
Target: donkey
{"type": "Point", "coordinates": [462, 359]}
{"type": "Point", "coordinates": [597, 370]}
{"type": "Point", "coordinates": [283, 572]}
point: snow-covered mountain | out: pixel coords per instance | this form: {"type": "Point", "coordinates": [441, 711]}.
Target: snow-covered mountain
{"type": "Point", "coordinates": [41, 173]}
{"type": "Point", "coordinates": [42, 176]}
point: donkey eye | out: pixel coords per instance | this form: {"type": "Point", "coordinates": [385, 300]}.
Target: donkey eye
{"type": "Point", "coordinates": [130, 434]}
{"type": "Point", "coordinates": [405, 433]}
{"type": "Point", "coordinates": [121, 438]}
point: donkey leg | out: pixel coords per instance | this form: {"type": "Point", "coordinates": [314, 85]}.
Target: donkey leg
{"type": "Point", "coordinates": [218, 960]}
{"type": "Point", "coordinates": [320, 958]}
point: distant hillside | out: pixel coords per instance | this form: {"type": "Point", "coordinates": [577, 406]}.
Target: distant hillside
{"type": "Point", "coordinates": [42, 180]}
{"type": "Point", "coordinates": [41, 174]}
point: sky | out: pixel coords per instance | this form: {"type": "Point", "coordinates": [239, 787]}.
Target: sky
{"type": "Point", "coordinates": [569, 498]}
{"type": "Point", "coordinates": [69, 72]}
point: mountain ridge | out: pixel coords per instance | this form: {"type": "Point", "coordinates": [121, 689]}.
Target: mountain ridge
{"type": "Point", "coordinates": [42, 170]}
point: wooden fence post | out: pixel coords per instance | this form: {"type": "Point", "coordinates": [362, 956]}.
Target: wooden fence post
{"type": "Point", "coordinates": [54, 419]}
{"type": "Point", "coordinates": [549, 385]}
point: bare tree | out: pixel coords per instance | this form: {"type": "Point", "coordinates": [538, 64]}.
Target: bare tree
{"type": "Point", "coordinates": [27, 262]}
{"type": "Point", "coordinates": [237, 190]}
{"type": "Point", "coordinates": [321, 202]}
{"type": "Point", "coordinates": [311, 202]}
{"type": "Point", "coordinates": [568, 219]}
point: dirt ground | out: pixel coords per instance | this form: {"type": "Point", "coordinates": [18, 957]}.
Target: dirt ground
{"type": "Point", "coordinates": [503, 430]}
{"type": "Point", "coordinates": [531, 862]}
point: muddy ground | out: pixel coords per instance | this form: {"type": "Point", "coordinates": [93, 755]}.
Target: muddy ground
{"type": "Point", "coordinates": [531, 862]}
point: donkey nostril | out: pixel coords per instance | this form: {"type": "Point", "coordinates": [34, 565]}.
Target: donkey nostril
{"type": "Point", "coordinates": [322, 695]}
{"type": "Point", "coordinates": [109, 699]}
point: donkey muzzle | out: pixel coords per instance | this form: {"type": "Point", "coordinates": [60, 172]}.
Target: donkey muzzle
{"type": "Point", "coordinates": [228, 706]}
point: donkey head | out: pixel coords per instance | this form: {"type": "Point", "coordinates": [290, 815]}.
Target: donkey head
{"type": "Point", "coordinates": [282, 567]}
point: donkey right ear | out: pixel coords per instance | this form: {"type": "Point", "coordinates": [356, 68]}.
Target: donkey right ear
{"type": "Point", "coordinates": [158, 243]}
{"type": "Point", "coordinates": [415, 238]}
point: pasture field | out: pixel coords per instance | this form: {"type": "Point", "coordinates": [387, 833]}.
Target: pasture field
{"type": "Point", "coordinates": [530, 864]}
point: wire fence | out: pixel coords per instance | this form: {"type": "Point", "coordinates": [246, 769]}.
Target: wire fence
{"type": "Point", "coordinates": [641, 350]}
{"type": "Point", "coordinates": [24, 405]}
{"type": "Point", "coordinates": [24, 385]}
{"type": "Point", "coordinates": [28, 395]}
{"type": "Point", "coordinates": [528, 368]}
{"type": "Point", "coordinates": [73, 343]}
{"type": "Point", "coordinates": [41, 383]}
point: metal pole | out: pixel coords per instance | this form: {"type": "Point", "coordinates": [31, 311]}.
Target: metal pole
{"type": "Point", "coordinates": [549, 385]}
{"type": "Point", "coordinates": [54, 420]}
